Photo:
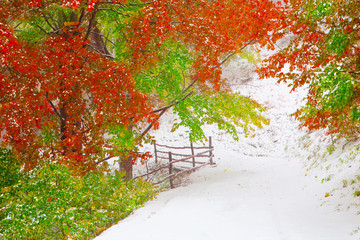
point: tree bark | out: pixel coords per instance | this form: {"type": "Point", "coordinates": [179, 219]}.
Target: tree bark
{"type": "Point", "coordinates": [126, 166]}
{"type": "Point", "coordinates": [126, 161]}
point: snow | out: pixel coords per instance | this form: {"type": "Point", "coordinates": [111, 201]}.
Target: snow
{"type": "Point", "coordinates": [265, 187]}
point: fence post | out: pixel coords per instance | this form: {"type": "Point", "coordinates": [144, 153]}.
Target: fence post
{"type": "Point", "coordinates": [211, 153]}
{"type": "Point", "coordinates": [155, 151]}
{"type": "Point", "coordinates": [170, 170]}
{"type": "Point", "coordinates": [192, 153]}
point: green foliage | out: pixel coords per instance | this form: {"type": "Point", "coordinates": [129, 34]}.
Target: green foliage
{"type": "Point", "coordinates": [9, 173]}
{"type": "Point", "coordinates": [332, 103]}
{"type": "Point", "coordinates": [9, 169]}
{"type": "Point", "coordinates": [250, 54]}
{"type": "Point", "coordinates": [319, 9]}
{"type": "Point", "coordinates": [37, 28]}
{"type": "Point", "coordinates": [337, 42]}
{"type": "Point", "coordinates": [169, 79]}
{"type": "Point", "coordinates": [323, 54]}
{"type": "Point", "coordinates": [334, 88]}
{"type": "Point", "coordinates": [51, 203]}
{"type": "Point", "coordinates": [170, 76]}
{"type": "Point", "coordinates": [115, 27]}
{"type": "Point", "coordinates": [31, 34]}
{"type": "Point", "coordinates": [227, 110]}
{"type": "Point", "coordinates": [122, 139]}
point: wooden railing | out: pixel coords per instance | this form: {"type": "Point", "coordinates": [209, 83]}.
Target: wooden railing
{"type": "Point", "coordinates": [173, 159]}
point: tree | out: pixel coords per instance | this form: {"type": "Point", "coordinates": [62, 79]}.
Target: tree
{"type": "Point", "coordinates": [73, 72]}
{"type": "Point", "coordinates": [323, 54]}
{"type": "Point", "coordinates": [55, 85]}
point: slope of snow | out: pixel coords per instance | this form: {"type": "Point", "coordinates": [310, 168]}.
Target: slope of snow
{"type": "Point", "coordinates": [260, 189]}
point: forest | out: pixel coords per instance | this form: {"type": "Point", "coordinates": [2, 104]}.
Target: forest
{"type": "Point", "coordinates": [85, 81]}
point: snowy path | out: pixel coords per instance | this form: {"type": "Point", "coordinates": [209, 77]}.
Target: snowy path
{"type": "Point", "coordinates": [256, 192]}
{"type": "Point", "coordinates": [259, 199]}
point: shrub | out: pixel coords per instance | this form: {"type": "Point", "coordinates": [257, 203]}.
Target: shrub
{"type": "Point", "coordinates": [51, 203]}
{"type": "Point", "coordinates": [9, 173]}
{"type": "Point", "coordinates": [9, 168]}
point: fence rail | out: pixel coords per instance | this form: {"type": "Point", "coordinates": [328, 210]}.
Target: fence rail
{"type": "Point", "coordinates": [180, 158]}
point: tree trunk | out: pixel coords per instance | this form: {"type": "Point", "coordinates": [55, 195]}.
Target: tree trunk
{"type": "Point", "coordinates": [98, 42]}
{"type": "Point", "coordinates": [127, 167]}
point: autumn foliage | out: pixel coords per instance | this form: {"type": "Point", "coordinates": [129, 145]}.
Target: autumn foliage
{"type": "Point", "coordinates": [65, 91]}
{"type": "Point", "coordinates": [323, 54]}
{"type": "Point", "coordinates": [73, 71]}
{"type": "Point", "coordinates": [212, 31]}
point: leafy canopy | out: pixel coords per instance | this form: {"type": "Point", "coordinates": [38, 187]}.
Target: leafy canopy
{"type": "Point", "coordinates": [323, 54]}
{"type": "Point", "coordinates": [73, 72]}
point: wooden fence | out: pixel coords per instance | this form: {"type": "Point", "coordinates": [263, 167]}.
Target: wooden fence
{"type": "Point", "coordinates": [180, 163]}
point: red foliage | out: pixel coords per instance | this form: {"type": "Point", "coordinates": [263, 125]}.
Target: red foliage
{"type": "Point", "coordinates": [212, 30]}
{"type": "Point", "coordinates": [325, 38]}
{"type": "Point", "coordinates": [63, 86]}
{"type": "Point", "coordinates": [58, 98]}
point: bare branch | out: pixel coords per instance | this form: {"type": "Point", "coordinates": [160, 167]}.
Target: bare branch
{"type": "Point", "coordinates": [113, 10]}
{"type": "Point", "coordinates": [111, 2]}
{"type": "Point", "coordinates": [99, 52]}
{"type": "Point", "coordinates": [54, 108]}
{"type": "Point", "coordinates": [91, 21]}
{"type": "Point", "coordinates": [232, 54]}
{"type": "Point", "coordinates": [174, 103]}
{"type": "Point", "coordinates": [103, 160]}
{"type": "Point", "coordinates": [140, 4]}
{"type": "Point", "coordinates": [17, 25]}
{"type": "Point", "coordinates": [43, 30]}
{"type": "Point", "coordinates": [48, 22]}
{"type": "Point", "coordinates": [227, 58]}
{"type": "Point", "coordinates": [152, 124]}
{"type": "Point", "coordinates": [117, 22]}
{"type": "Point", "coordinates": [106, 38]}
{"type": "Point", "coordinates": [82, 14]}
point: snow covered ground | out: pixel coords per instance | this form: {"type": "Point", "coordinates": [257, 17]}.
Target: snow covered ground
{"type": "Point", "coordinates": [265, 187]}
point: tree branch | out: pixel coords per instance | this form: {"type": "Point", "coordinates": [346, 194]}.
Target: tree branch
{"type": "Point", "coordinates": [82, 14]}
{"type": "Point", "coordinates": [117, 22]}
{"type": "Point", "coordinates": [99, 52]}
{"type": "Point", "coordinates": [106, 38]}
{"type": "Point", "coordinates": [173, 104]}
{"type": "Point", "coordinates": [111, 2]}
{"type": "Point", "coordinates": [232, 54]}
{"type": "Point", "coordinates": [140, 4]}
{"type": "Point", "coordinates": [113, 10]}
{"type": "Point", "coordinates": [54, 108]}
{"type": "Point", "coordinates": [43, 30]}
{"type": "Point", "coordinates": [17, 25]}
{"type": "Point", "coordinates": [187, 88]}
{"type": "Point", "coordinates": [48, 22]}
{"type": "Point", "coordinates": [103, 160]}
{"type": "Point", "coordinates": [91, 21]}
{"type": "Point", "coordinates": [152, 124]}
{"type": "Point", "coordinates": [164, 109]}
